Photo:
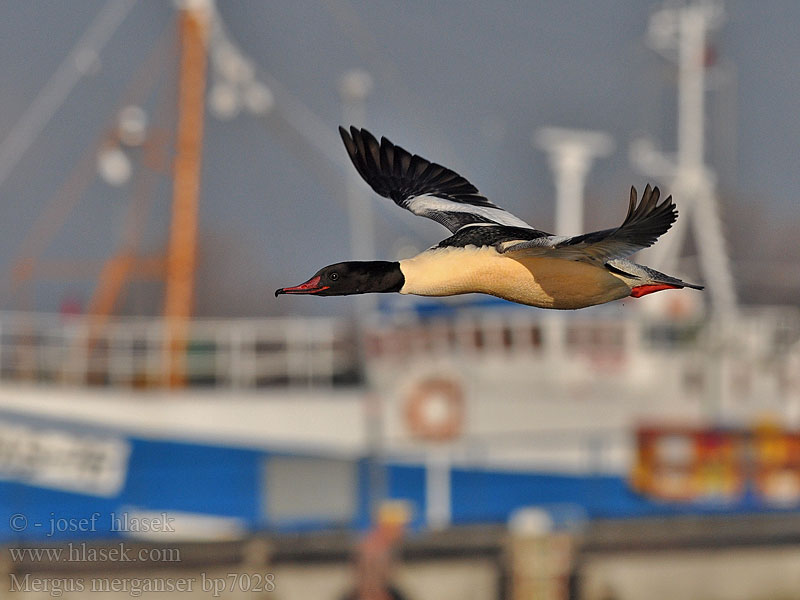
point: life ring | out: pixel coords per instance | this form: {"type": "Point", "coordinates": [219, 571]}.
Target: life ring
{"type": "Point", "coordinates": [434, 410]}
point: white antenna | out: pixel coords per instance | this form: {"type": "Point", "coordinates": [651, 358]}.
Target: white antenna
{"type": "Point", "coordinates": [680, 35]}
{"type": "Point", "coordinates": [571, 153]}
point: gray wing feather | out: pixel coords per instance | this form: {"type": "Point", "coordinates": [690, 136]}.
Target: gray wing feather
{"type": "Point", "coordinates": [642, 226]}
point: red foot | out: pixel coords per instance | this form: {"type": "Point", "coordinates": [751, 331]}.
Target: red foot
{"type": "Point", "coordinates": [643, 290]}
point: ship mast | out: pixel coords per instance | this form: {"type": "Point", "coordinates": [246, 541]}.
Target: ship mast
{"type": "Point", "coordinates": [681, 34]}
{"type": "Point", "coordinates": [182, 248]}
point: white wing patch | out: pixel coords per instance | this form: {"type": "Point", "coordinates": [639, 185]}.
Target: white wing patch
{"type": "Point", "coordinates": [425, 205]}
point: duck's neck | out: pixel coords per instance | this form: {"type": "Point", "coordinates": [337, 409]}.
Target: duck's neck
{"type": "Point", "coordinates": [445, 271]}
{"type": "Point", "coordinates": [381, 276]}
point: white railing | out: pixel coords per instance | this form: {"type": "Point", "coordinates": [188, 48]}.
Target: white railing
{"type": "Point", "coordinates": [252, 353]}
{"type": "Point", "coordinates": [131, 351]}
{"type": "Point", "coordinates": [732, 369]}
{"type": "Point", "coordinates": [760, 330]}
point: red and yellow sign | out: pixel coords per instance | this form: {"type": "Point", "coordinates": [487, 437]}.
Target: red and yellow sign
{"type": "Point", "coordinates": [694, 464]}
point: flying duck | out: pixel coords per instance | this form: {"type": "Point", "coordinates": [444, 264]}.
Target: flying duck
{"type": "Point", "coordinates": [490, 250]}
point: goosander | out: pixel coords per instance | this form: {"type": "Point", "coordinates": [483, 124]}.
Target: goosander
{"type": "Point", "coordinates": [490, 250]}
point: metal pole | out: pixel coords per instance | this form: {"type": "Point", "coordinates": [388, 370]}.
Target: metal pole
{"type": "Point", "coordinates": [685, 30]}
{"type": "Point", "coordinates": [694, 178]}
{"type": "Point", "coordinates": [571, 153]}
{"type": "Point", "coordinates": [692, 24]}
{"type": "Point", "coordinates": [354, 87]}
{"type": "Point", "coordinates": [437, 488]}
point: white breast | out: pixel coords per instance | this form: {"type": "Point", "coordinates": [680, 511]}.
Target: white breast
{"type": "Point", "coordinates": [452, 271]}
{"type": "Point", "coordinates": [541, 281]}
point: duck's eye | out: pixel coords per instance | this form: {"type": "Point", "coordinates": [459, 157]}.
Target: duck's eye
{"type": "Point", "coordinates": [333, 276]}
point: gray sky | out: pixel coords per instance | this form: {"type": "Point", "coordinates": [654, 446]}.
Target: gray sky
{"type": "Point", "coordinates": [463, 83]}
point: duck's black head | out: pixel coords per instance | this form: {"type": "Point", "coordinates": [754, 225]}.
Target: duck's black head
{"type": "Point", "coordinates": [355, 277]}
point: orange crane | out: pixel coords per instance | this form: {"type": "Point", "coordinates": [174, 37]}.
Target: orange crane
{"type": "Point", "coordinates": [177, 266]}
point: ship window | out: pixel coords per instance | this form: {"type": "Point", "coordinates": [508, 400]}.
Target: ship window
{"type": "Point", "coordinates": [301, 488]}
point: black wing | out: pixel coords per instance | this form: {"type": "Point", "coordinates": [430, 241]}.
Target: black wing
{"type": "Point", "coordinates": [642, 226]}
{"type": "Point", "coordinates": [420, 186]}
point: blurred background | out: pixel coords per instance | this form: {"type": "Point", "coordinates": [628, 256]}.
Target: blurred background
{"type": "Point", "coordinates": [168, 429]}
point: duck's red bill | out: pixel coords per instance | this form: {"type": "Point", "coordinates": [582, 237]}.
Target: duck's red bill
{"type": "Point", "coordinates": [643, 290]}
{"type": "Point", "coordinates": [312, 286]}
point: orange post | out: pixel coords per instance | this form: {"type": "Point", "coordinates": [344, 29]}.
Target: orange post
{"type": "Point", "coordinates": [182, 248]}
